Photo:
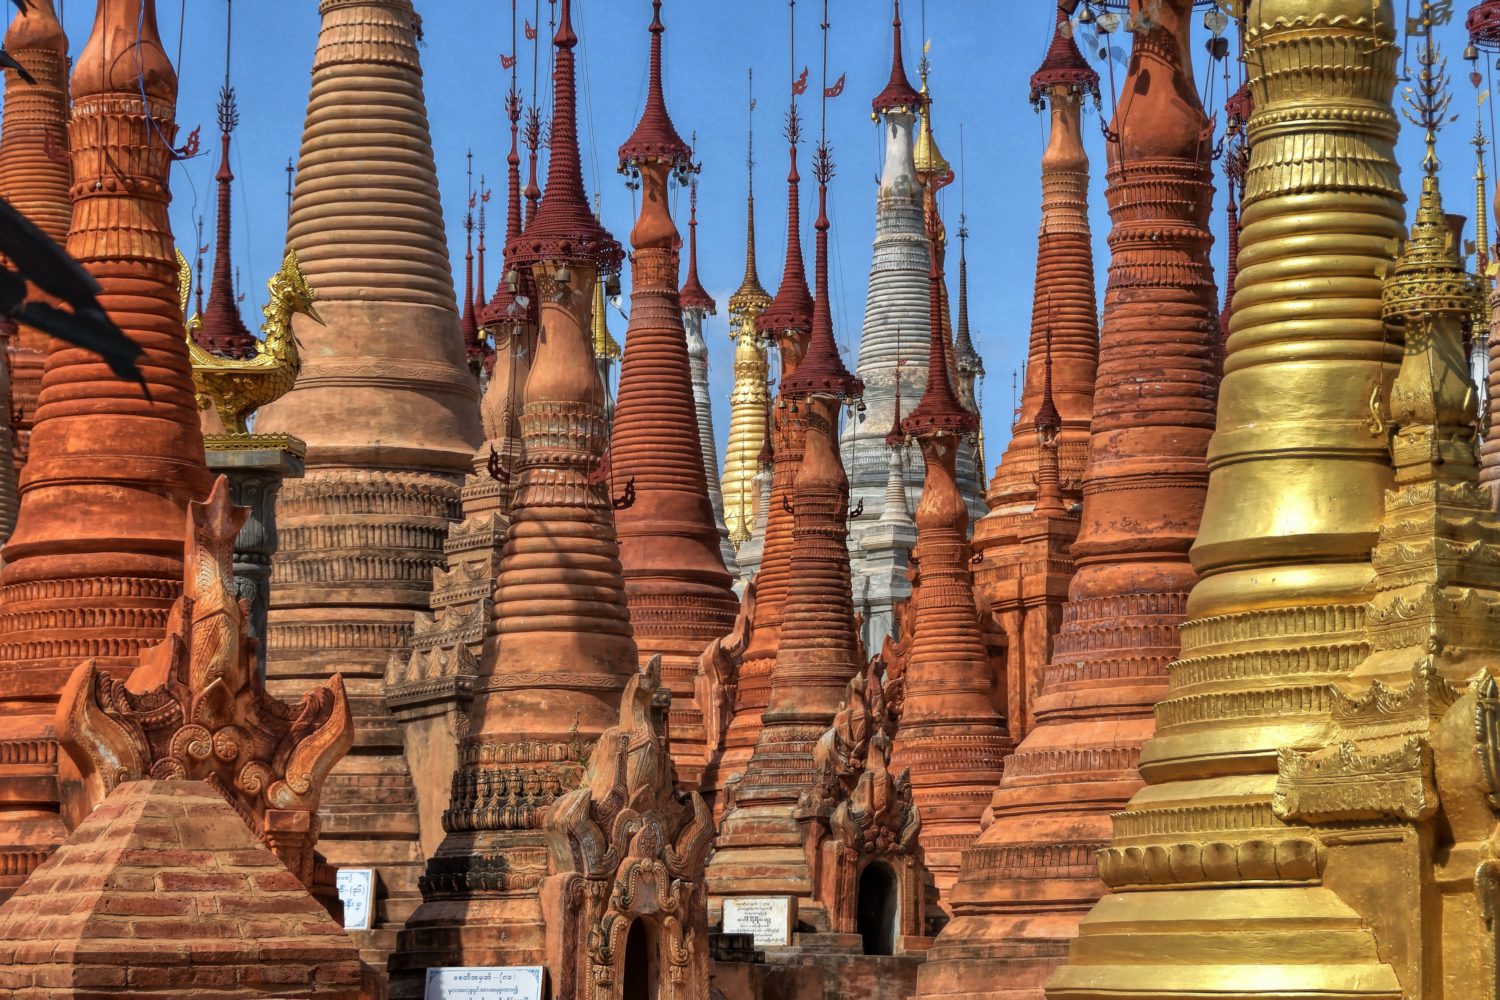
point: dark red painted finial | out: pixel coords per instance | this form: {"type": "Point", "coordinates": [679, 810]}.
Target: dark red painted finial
{"type": "Point", "coordinates": [898, 94]}
{"type": "Point", "coordinates": [822, 371]}
{"type": "Point", "coordinates": [655, 137]}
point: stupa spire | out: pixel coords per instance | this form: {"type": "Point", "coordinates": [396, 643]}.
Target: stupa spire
{"type": "Point", "coordinates": [786, 321]}
{"type": "Point", "coordinates": [789, 316]}
{"type": "Point", "coordinates": [748, 399]}
{"type": "Point", "coordinates": [1048, 422]}
{"type": "Point", "coordinates": [681, 596]}
{"type": "Point", "coordinates": [35, 174]}
{"type": "Point", "coordinates": [693, 295]}
{"type": "Point", "coordinates": [817, 653]}
{"type": "Point", "coordinates": [99, 586]}
{"type": "Point", "coordinates": [898, 92]}
{"type": "Point", "coordinates": [950, 701]}
{"type": "Point", "coordinates": [468, 322]}
{"type": "Point", "coordinates": [223, 330]}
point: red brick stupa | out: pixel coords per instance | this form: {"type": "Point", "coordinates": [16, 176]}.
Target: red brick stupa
{"type": "Point", "coordinates": [952, 734]}
{"type": "Point", "coordinates": [1032, 875]}
{"type": "Point", "coordinates": [787, 322]}
{"type": "Point", "coordinates": [35, 175]}
{"type": "Point", "coordinates": [96, 559]}
{"type": "Point", "coordinates": [680, 595]}
{"type": "Point", "coordinates": [552, 674]}
{"type": "Point", "coordinates": [1024, 566]}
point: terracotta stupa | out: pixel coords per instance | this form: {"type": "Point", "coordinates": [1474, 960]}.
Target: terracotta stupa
{"type": "Point", "coordinates": [1031, 876]}
{"type": "Point", "coordinates": [760, 846]}
{"type": "Point", "coordinates": [1024, 566]}
{"type": "Point", "coordinates": [96, 558]}
{"type": "Point", "coordinates": [1483, 22]}
{"type": "Point", "coordinates": [951, 736]}
{"type": "Point", "coordinates": [552, 673]}
{"type": "Point", "coordinates": [681, 597]}
{"type": "Point", "coordinates": [390, 415]}
{"type": "Point", "coordinates": [430, 686]}
{"type": "Point", "coordinates": [787, 322]}
{"type": "Point", "coordinates": [36, 173]}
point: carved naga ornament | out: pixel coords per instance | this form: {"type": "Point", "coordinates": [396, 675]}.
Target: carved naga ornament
{"type": "Point", "coordinates": [627, 847]}
{"type": "Point", "coordinates": [195, 708]}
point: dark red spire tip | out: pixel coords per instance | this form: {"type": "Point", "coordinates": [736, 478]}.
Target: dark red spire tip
{"type": "Point", "coordinates": [563, 230]}
{"type": "Point", "coordinates": [223, 331]}
{"type": "Point", "coordinates": [822, 371]}
{"type": "Point", "coordinates": [939, 411]}
{"type": "Point", "coordinates": [898, 94]}
{"type": "Point", "coordinates": [655, 137]}
{"type": "Point", "coordinates": [1047, 417]}
{"type": "Point", "coordinates": [792, 308]}
{"type": "Point", "coordinates": [897, 436]}
{"type": "Point", "coordinates": [1064, 65]}
{"type": "Point", "coordinates": [693, 294]}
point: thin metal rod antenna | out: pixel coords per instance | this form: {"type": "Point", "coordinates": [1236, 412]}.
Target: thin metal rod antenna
{"type": "Point", "coordinates": [228, 38]}
{"type": "Point", "coordinates": [823, 126]}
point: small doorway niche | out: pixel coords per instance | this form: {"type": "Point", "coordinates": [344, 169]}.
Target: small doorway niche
{"type": "Point", "coordinates": [877, 908]}
{"type": "Point", "coordinates": [639, 978]}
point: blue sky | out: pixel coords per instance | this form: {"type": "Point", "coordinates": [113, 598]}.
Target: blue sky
{"type": "Point", "coordinates": [983, 53]}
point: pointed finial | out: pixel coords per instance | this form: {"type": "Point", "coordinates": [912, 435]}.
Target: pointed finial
{"type": "Point", "coordinates": [898, 95]}
{"type": "Point", "coordinates": [694, 296]}
{"type": "Point", "coordinates": [655, 137]}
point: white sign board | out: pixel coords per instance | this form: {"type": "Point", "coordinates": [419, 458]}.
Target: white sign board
{"type": "Point", "coordinates": [356, 888]}
{"type": "Point", "coordinates": [771, 919]}
{"type": "Point", "coordinates": [515, 982]}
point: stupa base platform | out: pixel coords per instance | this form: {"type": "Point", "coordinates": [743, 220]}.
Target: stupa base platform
{"type": "Point", "coordinates": [824, 967]}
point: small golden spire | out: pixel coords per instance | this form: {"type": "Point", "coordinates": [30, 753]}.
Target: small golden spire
{"type": "Point", "coordinates": [929, 158]}
{"type": "Point", "coordinates": [605, 345]}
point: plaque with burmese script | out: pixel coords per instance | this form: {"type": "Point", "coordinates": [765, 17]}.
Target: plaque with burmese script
{"type": "Point", "coordinates": [769, 919]}
{"type": "Point", "coordinates": [509, 982]}
{"type": "Point", "coordinates": [356, 888]}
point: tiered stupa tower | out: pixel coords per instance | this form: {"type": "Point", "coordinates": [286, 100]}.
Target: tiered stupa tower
{"type": "Point", "coordinates": [1024, 569]}
{"type": "Point", "coordinates": [223, 330]}
{"type": "Point", "coordinates": [430, 686]}
{"type": "Point", "coordinates": [35, 176]}
{"type": "Point", "coordinates": [697, 306]}
{"type": "Point", "coordinates": [1250, 903]}
{"type": "Point", "coordinates": [760, 846]}
{"type": "Point", "coordinates": [1483, 23]}
{"type": "Point", "coordinates": [891, 344]}
{"type": "Point", "coordinates": [561, 654]}
{"type": "Point", "coordinates": [1030, 877]}
{"type": "Point", "coordinates": [99, 585]}
{"type": "Point", "coordinates": [787, 322]}
{"type": "Point", "coordinates": [749, 403]}
{"type": "Point", "coordinates": [681, 597]}
{"type": "Point", "coordinates": [390, 415]}
{"type": "Point", "coordinates": [952, 733]}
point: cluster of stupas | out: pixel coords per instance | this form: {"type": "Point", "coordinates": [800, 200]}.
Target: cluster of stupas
{"type": "Point", "coordinates": [422, 647]}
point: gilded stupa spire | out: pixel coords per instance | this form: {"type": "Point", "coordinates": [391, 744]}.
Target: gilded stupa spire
{"type": "Point", "coordinates": [748, 423]}
{"type": "Point", "coordinates": [750, 297]}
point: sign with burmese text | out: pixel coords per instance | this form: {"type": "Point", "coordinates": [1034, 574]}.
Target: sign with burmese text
{"type": "Point", "coordinates": [356, 887]}
{"type": "Point", "coordinates": [770, 919]}
{"type": "Point", "coordinates": [512, 982]}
